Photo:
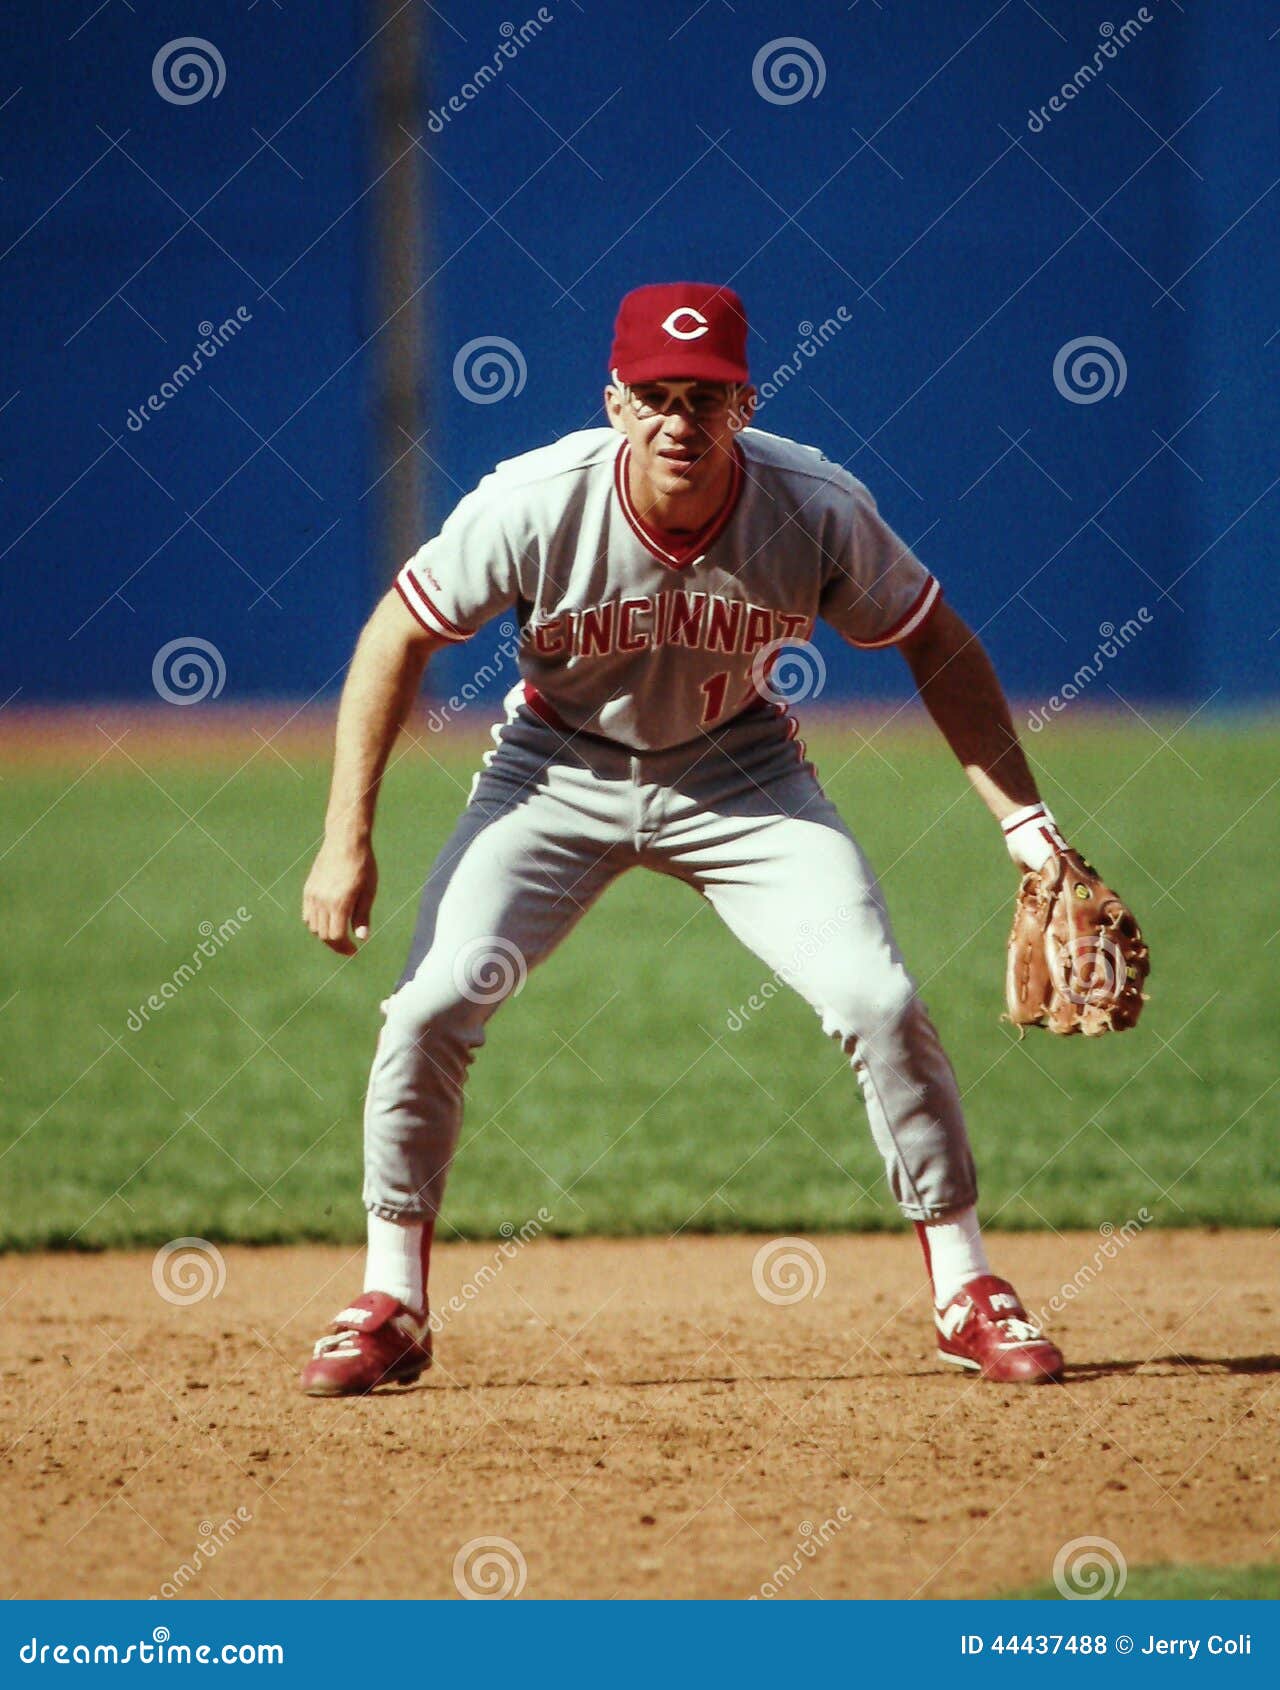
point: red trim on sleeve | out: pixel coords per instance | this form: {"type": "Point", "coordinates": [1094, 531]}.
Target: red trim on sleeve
{"type": "Point", "coordinates": [442, 625]}
{"type": "Point", "coordinates": [925, 603]}
{"type": "Point", "coordinates": [412, 608]}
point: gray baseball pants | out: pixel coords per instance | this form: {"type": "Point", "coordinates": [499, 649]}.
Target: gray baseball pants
{"type": "Point", "coordinates": [552, 820]}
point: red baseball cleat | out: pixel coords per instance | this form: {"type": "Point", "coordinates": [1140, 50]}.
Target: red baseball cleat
{"type": "Point", "coordinates": [376, 1341]}
{"type": "Point", "coordinates": [985, 1329]}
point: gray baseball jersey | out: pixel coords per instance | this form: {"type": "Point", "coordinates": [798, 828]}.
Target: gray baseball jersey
{"type": "Point", "coordinates": [624, 636]}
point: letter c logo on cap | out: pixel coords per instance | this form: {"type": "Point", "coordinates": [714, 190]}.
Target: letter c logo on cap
{"type": "Point", "coordinates": [700, 324]}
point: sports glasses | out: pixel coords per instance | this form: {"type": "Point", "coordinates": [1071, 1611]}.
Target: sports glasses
{"type": "Point", "coordinates": [703, 401]}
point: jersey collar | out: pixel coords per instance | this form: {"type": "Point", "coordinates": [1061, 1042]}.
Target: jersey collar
{"type": "Point", "coordinates": [677, 552]}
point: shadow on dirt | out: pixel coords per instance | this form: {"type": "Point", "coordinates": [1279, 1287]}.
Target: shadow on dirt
{"type": "Point", "coordinates": [1159, 1365]}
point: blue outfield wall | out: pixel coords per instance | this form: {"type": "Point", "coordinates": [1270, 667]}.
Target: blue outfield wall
{"type": "Point", "coordinates": [234, 513]}
{"type": "Point", "coordinates": [923, 196]}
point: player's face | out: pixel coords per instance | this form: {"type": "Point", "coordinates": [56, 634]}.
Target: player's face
{"type": "Point", "coordinates": [680, 431]}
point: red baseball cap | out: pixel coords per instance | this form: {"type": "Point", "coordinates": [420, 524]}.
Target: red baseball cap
{"type": "Point", "coordinates": [680, 331]}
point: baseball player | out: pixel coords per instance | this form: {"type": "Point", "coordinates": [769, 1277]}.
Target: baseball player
{"type": "Point", "coordinates": [657, 567]}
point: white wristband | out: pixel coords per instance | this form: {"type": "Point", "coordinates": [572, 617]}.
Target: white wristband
{"type": "Point", "coordinates": [1032, 836]}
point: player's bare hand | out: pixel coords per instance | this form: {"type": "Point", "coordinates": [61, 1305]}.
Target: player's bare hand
{"type": "Point", "coordinates": [337, 900]}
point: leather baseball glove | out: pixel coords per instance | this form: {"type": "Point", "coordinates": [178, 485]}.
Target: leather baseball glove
{"type": "Point", "coordinates": [1077, 960]}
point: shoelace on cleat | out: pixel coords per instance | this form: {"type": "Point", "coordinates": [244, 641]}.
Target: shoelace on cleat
{"type": "Point", "coordinates": [1020, 1331]}
{"type": "Point", "coordinates": [337, 1343]}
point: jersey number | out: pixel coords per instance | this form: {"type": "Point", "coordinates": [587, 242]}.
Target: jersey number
{"type": "Point", "coordinates": [713, 692]}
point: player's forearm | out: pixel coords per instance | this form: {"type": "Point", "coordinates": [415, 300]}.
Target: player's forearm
{"type": "Point", "coordinates": [962, 693]}
{"type": "Point", "coordinates": [381, 685]}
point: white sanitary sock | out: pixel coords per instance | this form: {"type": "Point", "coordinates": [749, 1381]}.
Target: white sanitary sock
{"type": "Point", "coordinates": [955, 1253]}
{"type": "Point", "coordinates": [394, 1262]}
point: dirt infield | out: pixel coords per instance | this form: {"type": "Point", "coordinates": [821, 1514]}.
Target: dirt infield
{"type": "Point", "coordinates": [634, 1418]}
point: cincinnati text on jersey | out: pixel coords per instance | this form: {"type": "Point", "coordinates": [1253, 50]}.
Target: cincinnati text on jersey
{"type": "Point", "coordinates": [643, 622]}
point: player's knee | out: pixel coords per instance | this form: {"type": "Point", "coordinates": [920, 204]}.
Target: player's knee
{"type": "Point", "coordinates": [433, 1013]}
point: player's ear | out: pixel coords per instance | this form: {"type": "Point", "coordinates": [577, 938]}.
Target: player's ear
{"type": "Point", "coordinates": [613, 407]}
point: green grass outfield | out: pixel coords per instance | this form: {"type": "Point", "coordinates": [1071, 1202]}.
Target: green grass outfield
{"type": "Point", "coordinates": [1182, 1584]}
{"type": "Point", "coordinates": [612, 1091]}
